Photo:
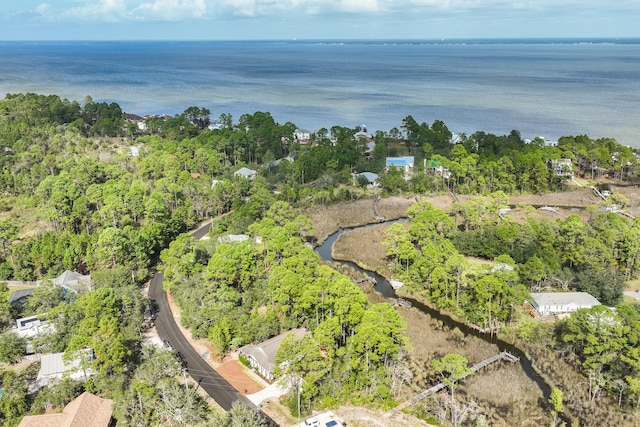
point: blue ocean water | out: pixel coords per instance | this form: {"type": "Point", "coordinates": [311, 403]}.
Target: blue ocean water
{"type": "Point", "coordinates": [545, 88]}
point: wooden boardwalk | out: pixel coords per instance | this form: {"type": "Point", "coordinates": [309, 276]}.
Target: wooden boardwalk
{"type": "Point", "coordinates": [505, 355]}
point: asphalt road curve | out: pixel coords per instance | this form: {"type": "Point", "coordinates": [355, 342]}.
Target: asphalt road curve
{"type": "Point", "coordinates": [207, 378]}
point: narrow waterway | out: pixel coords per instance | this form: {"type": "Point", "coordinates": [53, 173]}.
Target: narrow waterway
{"type": "Point", "coordinates": [383, 287]}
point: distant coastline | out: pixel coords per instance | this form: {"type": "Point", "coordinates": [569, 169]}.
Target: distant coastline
{"type": "Point", "coordinates": [370, 41]}
{"type": "Point", "coordinates": [548, 87]}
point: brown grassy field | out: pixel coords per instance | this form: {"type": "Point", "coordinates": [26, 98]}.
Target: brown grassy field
{"type": "Point", "coordinates": [365, 247]}
{"type": "Point", "coordinates": [329, 219]}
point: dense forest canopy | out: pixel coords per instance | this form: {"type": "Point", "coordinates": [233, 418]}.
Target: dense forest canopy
{"type": "Point", "coordinates": [76, 196]}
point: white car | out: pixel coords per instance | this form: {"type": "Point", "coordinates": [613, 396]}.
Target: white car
{"type": "Point", "coordinates": [310, 422]}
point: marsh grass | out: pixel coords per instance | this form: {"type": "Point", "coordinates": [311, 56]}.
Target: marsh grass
{"type": "Point", "coordinates": [365, 247]}
{"type": "Point", "coordinates": [328, 219]}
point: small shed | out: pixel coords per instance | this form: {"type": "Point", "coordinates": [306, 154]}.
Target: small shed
{"type": "Point", "coordinates": [262, 356]}
{"type": "Point", "coordinates": [548, 303]}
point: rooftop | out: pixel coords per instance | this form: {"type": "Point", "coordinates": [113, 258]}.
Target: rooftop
{"type": "Point", "coordinates": [564, 298]}
{"type": "Point", "coordinates": [18, 295]}
{"type": "Point", "coordinates": [73, 281]}
{"type": "Point", "coordinates": [53, 366]}
{"type": "Point", "coordinates": [86, 410]}
{"type": "Point", "coordinates": [265, 352]}
{"type": "Point", "coordinates": [246, 172]}
{"type": "Point", "coordinates": [400, 161]}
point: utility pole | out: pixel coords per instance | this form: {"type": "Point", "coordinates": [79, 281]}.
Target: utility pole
{"type": "Point", "coordinates": [299, 391]}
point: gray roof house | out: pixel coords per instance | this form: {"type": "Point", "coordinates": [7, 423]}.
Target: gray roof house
{"type": "Point", "coordinates": [20, 296]}
{"type": "Point", "coordinates": [548, 303]}
{"type": "Point", "coordinates": [73, 281]}
{"type": "Point", "coordinates": [245, 172]}
{"type": "Point", "coordinates": [372, 178]}
{"type": "Point", "coordinates": [262, 357]}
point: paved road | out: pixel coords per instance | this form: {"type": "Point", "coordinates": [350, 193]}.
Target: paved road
{"type": "Point", "coordinates": [216, 386]}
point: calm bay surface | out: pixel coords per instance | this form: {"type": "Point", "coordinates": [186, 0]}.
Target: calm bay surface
{"type": "Point", "coordinates": [545, 88]}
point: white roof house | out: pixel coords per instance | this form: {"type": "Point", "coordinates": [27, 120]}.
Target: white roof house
{"type": "Point", "coordinates": [31, 327]}
{"type": "Point", "coordinates": [53, 367]}
{"type": "Point", "coordinates": [246, 172]}
{"type": "Point", "coordinates": [233, 238]}
{"type": "Point", "coordinates": [302, 136]}
{"type": "Point", "coordinates": [547, 303]}
{"type": "Point", "coordinates": [262, 356]}
{"type": "Point", "coordinates": [562, 167]}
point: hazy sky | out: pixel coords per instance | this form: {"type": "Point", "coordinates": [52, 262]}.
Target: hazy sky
{"type": "Point", "coordinates": [314, 19]}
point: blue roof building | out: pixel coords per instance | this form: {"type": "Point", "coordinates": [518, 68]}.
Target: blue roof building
{"type": "Point", "coordinates": [400, 162]}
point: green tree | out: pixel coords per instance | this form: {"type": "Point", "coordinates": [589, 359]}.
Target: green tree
{"type": "Point", "coordinates": [606, 286]}
{"type": "Point", "coordinates": [598, 336]}
{"type": "Point", "coordinates": [452, 367]}
{"type": "Point", "coordinates": [555, 400]}
{"type": "Point", "coordinates": [45, 297]}
{"type": "Point", "coordinates": [12, 347]}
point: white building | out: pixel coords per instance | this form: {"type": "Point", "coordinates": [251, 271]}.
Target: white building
{"type": "Point", "coordinates": [53, 367]}
{"type": "Point", "coordinates": [262, 357]}
{"type": "Point", "coordinates": [302, 136]}
{"type": "Point", "coordinates": [246, 173]}
{"type": "Point", "coordinates": [562, 167]}
{"type": "Point", "coordinates": [548, 303]}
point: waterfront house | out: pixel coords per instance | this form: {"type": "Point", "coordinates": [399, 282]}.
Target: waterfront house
{"type": "Point", "coordinates": [262, 356]}
{"type": "Point", "coordinates": [549, 303]}
{"type": "Point", "coordinates": [302, 136]}
{"type": "Point", "coordinates": [435, 167]}
{"type": "Point", "coordinates": [405, 163]}
{"type": "Point", "coordinates": [372, 178]}
{"type": "Point", "coordinates": [562, 167]}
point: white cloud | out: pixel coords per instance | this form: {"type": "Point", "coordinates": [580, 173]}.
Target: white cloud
{"type": "Point", "coordinates": [170, 10]}
{"type": "Point", "coordinates": [44, 10]}
{"type": "Point", "coordinates": [177, 10]}
{"type": "Point", "coordinates": [362, 6]}
{"type": "Point", "coordinates": [103, 10]}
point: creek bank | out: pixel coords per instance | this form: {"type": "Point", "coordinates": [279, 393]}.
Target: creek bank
{"type": "Point", "coordinates": [327, 220]}
{"type": "Point", "coordinates": [448, 320]}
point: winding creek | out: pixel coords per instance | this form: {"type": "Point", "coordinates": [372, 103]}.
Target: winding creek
{"type": "Point", "coordinates": [383, 287]}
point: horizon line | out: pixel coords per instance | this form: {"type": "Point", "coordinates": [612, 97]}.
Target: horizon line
{"type": "Point", "coordinates": [345, 39]}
